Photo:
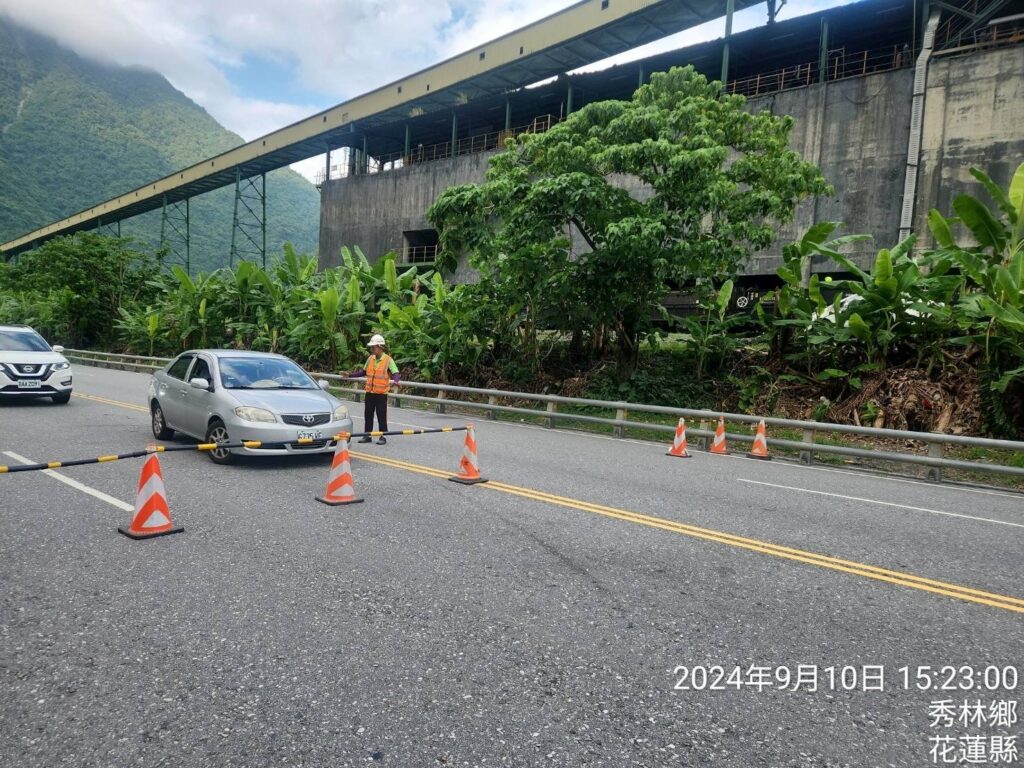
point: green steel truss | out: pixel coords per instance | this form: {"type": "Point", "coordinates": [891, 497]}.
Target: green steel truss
{"type": "Point", "coordinates": [249, 229]}
{"type": "Point", "coordinates": [175, 233]}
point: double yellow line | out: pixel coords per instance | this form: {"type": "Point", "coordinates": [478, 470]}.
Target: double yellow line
{"type": "Point", "coordinates": [852, 567]}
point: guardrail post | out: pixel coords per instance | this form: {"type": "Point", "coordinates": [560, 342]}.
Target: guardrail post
{"type": "Point", "coordinates": [935, 452]}
{"type": "Point", "coordinates": [551, 408]}
{"type": "Point", "coordinates": [702, 442]}
{"type": "Point", "coordinates": [491, 400]}
{"type": "Point", "coordinates": [619, 430]}
{"type": "Point", "coordinates": [807, 457]}
{"type": "Point", "coordinates": [439, 408]}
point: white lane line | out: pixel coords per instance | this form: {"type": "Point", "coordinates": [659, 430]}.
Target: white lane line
{"type": "Point", "coordinates": [75, 484]}
{"type": "Point", "coordinates": [943, 486]}
{"type": "Point", "coordinates": [883, 503]}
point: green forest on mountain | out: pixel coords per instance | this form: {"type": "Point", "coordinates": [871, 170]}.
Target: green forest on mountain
{"type": "Point", "coordinates": [74, 133]}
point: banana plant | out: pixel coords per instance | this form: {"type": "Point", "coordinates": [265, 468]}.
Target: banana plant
{"type": "Point", "coordinates": [800, 301]}
{"type": "Point", "coordinates": [991, 302]}
{"type": "Point", "coordinates": [711, 339]}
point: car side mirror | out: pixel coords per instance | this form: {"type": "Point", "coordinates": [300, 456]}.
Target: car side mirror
{"type": "Point", "coordinates": [57, 348]}
{"type": "Point", "coordinates": [324, 384]}
{"type": "Point", "coordinates": [199, 383]}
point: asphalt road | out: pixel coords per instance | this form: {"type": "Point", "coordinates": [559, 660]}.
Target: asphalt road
{"type": "Point", "coordinates": [543, 618]}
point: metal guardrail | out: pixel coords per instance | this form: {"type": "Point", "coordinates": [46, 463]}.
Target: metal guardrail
{"type": "Point", "coordinates": [935, 441]}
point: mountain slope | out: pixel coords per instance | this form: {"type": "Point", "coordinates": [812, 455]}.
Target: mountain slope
{"type": "Point", "coordinates": [74, 132]}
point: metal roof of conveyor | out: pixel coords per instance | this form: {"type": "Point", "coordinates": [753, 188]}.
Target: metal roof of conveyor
{"type": "Point", "coordinates": [583, 33]}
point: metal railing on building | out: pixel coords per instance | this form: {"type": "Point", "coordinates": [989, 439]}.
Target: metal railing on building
{"type": "Point", "coordinates": [841, 65]}
{"type": "Point", "coordinates": [428, 153]}
{"type": "Point", "coordinates": [488, 402]}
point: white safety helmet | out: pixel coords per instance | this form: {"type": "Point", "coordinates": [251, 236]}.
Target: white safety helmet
{"type": "Point", "coordinates": [376, 341]}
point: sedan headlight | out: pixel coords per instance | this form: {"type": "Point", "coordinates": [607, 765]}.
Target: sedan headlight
{"type": "Point", "coordinates": [341, 412]}
{"type": "Point", "coordinates": [254, 414]}
{"type": "Point", "coordinates": [61, 366]}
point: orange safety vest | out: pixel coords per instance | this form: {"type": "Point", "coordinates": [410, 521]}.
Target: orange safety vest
{"type": "Point", "coordinates": [378, 378]}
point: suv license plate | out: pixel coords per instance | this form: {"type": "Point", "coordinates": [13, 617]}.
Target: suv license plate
{"type": "Point", "coordinates": [29, 384]}
{"type": "Point", "coordinates": [311, 435]}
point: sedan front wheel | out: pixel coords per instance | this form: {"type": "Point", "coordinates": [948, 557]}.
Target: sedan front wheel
{"type": "Point", "coordinates": [218, 433]}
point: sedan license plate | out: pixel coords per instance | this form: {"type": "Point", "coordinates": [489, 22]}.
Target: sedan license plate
{"type": "Point", "coordinates": [29, 384]}
{"type": "Point", "coordinates": [313, 435]}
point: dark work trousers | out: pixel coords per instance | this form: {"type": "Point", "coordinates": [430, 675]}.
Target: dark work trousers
{"type": "Point", "coordinates": [375, 404]}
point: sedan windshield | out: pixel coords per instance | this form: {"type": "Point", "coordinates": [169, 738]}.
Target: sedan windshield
{"type": "Point", "coordinates": [263, 373]}
{"type": "Point", "coordinates": [22, 341]}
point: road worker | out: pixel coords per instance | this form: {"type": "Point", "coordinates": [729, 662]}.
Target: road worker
{"type": "Point", "coordinates": [380, 373]}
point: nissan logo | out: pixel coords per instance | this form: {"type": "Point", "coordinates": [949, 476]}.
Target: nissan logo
{"type": "Point", "coordinates": [308, 418]}
{"type": "Point", "coordinates": [28, 368]}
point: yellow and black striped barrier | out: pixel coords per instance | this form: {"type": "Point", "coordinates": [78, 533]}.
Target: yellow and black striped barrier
{"type": "Point", "coordinates": [5, 470]}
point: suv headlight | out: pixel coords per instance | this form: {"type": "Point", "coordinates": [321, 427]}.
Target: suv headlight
{"type": "Point", "coordinates": [340, 413]}
{"type": "Point", "coordinates": [254, 414]}
{"type": "Point", "coordinates": [61, 366]}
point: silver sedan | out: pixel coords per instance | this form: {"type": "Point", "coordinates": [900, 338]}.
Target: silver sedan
{"type": "Point", "coordinates": [224, 395]}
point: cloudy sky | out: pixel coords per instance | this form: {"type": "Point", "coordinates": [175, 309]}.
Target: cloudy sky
{"type": "Point", "coordinates": [258, 65]}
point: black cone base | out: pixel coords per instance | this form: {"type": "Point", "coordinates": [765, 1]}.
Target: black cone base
{"type": "Point", "coordinates": [338, 502]}
{"type": "Point", "coordinates": [468, 481]}
{"type": "Point", "coordinates": [138, 536]}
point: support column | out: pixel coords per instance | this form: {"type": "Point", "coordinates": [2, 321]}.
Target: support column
{"type": "Point", "coordinates": [730, 8]}
{"type": "Point", "coordinates": [234, 218]}
{"type": "Point", "coordinates": [508, 113]}
{"type": "Point", "coordinates": [188, 240]}
{"type": "Point", "coordinates": [823, 53]}
{"type": "Point", "coordinates": [249, 227]}
{"type": "Point", "coordinates": [408, 142]}
{"type": "Point", "coordinates": [568, 100]}
{"type": "Point", "coordinates": [263, 219]}
{"type": "Point", "coordinates": [455, 131]}
{"type": "Point", "coordinates": [327, 164]}
{"type": "Point", "coordinates": [641, 76]}
{"type": "Point", "coordinates": [175, 232]}
{"type": "Point", "coordinates": [366, 156]}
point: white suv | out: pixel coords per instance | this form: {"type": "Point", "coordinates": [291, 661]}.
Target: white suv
{"type": "Point", "coordinates": [29, 367]}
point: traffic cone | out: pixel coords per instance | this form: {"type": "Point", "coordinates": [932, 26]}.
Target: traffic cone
{"type": "Point", "coordinates": [718, 446]}
{"type": "Point", "coordinates": [152, 515]}
{"type": "Point", "coordinates": [760, 448]}
{"type": "Point", "coordinates": [470, 466]}
{"type": "Point", "coordinates": [339, 484]}
{"type": "Point", "coordinates": [679, 443]}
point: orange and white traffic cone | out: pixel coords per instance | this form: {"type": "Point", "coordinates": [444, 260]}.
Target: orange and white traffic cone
{"type": "Point", "coordinates": [152, 515]}
{"type": "Point", "coordinates": [679, 443]}
{"type": "Point", "coordinates": [469, 465]}
{"type": "Point", "coordinates": [760, 448]}
{"type": "Point", "coordinates": [339, 485]}
{"type": "Point", "coordinates": [718, 446]}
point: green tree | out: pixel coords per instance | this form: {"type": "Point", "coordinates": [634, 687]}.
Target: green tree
{"type": "Point", "coordinates": [555, 232]}
{"type": "Point", "coordinates": [87, 277]}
